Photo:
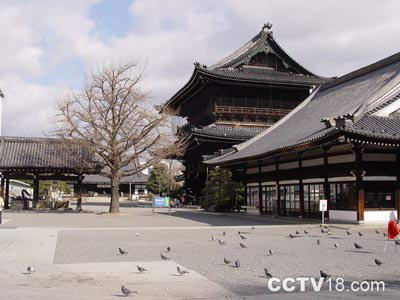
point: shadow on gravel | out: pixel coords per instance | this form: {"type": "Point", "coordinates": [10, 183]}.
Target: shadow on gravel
{"type": "Point", "coordinates": [227, 219]}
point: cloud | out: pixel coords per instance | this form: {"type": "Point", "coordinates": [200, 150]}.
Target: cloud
{"type": "Point", "coordinates": [48, 44]}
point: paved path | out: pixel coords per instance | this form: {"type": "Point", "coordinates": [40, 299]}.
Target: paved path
{"type": "Point", "coordinates": [76, 256]}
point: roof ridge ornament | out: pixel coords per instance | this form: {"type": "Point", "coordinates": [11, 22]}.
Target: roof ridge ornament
{"type": "Point", "coordinates": [266, 28]}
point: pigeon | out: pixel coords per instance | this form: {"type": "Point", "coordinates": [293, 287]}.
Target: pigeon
{"type": "Point", "coordinates": [297, 232]}
{"type": "Point", "coordinates": [163, 256]}
{"type": "Point", "coordinates": [336, 245]}
{"type": "Point", "coordinates": [223, 233]}
{"type": "Point", "coordinates": [384, 234]}
{"type": "Point", "coordinates": [227, 261]}
{"type": "Point", "coordinates": [323, 231]}
{"type": "Point", "coordinates": [291, 235]}
{"type": "Point", "coordinates": [318, 242]}
{"type": "Point", "coordinates": [270, 251]}
{"type": "Point", "coordinates": [239, 232]}
{"type": "Point", "coordinates": [377, 231]}
{"type": "Point", "coordinates": [242, 245]}
{"type": "Point", "coordinates": [267, 274]}
{"type": "Point", "coordinates": [181, 271]}
{"type": "Point", "coordinates": [237, 263]}
{"type": "Point", "coordinates": [30, 269]}
{"type": "Point", "coordinates": [360, 234]}
{"type": "Point", "coordinates": [243, 237]}
{"type": "Point", "coordinates": [357, 246]}
{"type": "Point", "coordinates": [168, 248]}
{"type": "Point", "coordinates": [252, 227]}
{"type": "Point", "coordinates": [126, 291]}
{"type": "Point", "coordinates": [397, 242]}
{"type": "Point", "coordinates": [140, 269]}
{"type": "Point", "coordinates": [378, 262]}
{"type": "Point", "coordinates": [212, 238]}
{"type": "Point", "coordinates": [306, 232]}
{"type": "Point", "coordinates": [348, 232]}
{"type": "Point", "coordinates": [221, 242]}
{"type": "Point", "coordinates": [122, 251]}
{"type": "Point", "coordinates": [324, 275]}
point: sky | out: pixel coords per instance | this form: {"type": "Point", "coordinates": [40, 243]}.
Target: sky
{"type": "Point", "coordinates": [47, 46]}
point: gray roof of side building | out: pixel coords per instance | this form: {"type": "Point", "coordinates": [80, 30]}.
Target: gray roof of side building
{"type": "Point", "coordinates": [44, 154]}
{"type": "Point", "coordinates": [358, 93]}
{"type": "Point", "coordinates": [99, 179]}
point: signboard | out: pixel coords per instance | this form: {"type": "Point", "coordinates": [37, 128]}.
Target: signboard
{"type": "Point", "coordinates": [323, 205]}
{"type": "Point", "coordinates": [161, 202]}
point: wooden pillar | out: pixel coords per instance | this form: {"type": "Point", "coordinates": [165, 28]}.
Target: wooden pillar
{"type": "Point", "coordinates": [398, 185]}
{"type": "Point", "coordinates": [278, 189]}
{"type": "Point", "coordinates": [327, 189]}
{"type": "Point", "coordinates": [79, 193]}
{"type": "Point", "coordinates": [360, 193]}
{"type": "Point", "coordinates": [7, 194]}
{"type": "Point", "coordinates": [35, 188]}
{"type": "Point", "coordinates": [260, 192]}
{"type": "Point", "coordinates": [301, 187]}
{"type": "Point", "coordinates": [2, 187]}
{"type": "Point", "coordinates": [244, 182]}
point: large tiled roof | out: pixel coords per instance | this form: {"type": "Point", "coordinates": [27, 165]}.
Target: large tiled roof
{"type": "Point", "coordinates": [262, 40]}
{"type": "Point", "coordinates": [99, 179]}
{"type": "Point", "coordinates": [352, 94]}
{"type": "Point", "coordinates": [43, 154]}
{"type": "Point", "coordinates": [237, 69]}
{"type": "Point", "coordinates": [263, 74]}
{"type": "Point", "coordinates": [226, 132]}
{"type": "Point", "coordinates": [375, 126]}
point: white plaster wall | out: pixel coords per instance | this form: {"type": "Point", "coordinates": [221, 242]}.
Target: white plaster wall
{"type": "Point", "coordinates": [379, 216]}
{"type": "Point", "coordinates": [312, 162]}
{"type": "Point", "coordinates": [268, 168]}
{"type": "Point", "coordinates": [252, 170]}
{"type": "Point", "coordinates": [379, 157]}
{"type": "Point", "coordinates": [340, 159]}
{"type": "Point", "coordinates": [289, 165]}
{"type": "Point", "coordinates": [343, 215]}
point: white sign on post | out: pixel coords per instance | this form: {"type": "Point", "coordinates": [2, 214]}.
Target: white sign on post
{"type": "Point", "coordinates": [323, 207]}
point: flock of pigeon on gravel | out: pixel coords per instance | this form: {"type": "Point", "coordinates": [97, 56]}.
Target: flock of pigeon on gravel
{"type": "Point", "coordinates": [127, 291]}
{"type": "Point", "coordinates": [236, 263]}
{"type": "Point", "coordinates": [324, 230]}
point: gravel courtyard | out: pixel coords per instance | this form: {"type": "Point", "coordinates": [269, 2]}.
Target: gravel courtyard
{"type": "Point", "coordinates": [87, 245]}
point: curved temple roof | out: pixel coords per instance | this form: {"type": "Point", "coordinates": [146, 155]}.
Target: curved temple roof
{"type": "Point", "coordinates": [43, 155]}
{"type": "Point", "coordinates": [237, 67]}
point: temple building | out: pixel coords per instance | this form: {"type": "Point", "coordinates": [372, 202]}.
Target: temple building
{"type": "Point", "coordinates": [133, 186]}
{"type": "Point", "coordinates": [341, 144]}
{"type": "Point", "coordinates": [236, 98]}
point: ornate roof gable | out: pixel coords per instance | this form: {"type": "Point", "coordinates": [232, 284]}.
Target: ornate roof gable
{"type": "Point", "coordinates": [262, 43]}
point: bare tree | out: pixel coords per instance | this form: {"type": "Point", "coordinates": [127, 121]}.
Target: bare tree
{"type": "Point", "coordinates": [112, 118]}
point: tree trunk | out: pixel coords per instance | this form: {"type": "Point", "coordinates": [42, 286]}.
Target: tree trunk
{"type": "Point", "coordinates": [114, 204]}
{"type": "Point", "coordinates": [79, 194]}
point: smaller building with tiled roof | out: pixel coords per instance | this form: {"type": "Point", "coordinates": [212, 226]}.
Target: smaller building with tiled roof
{"type": "Point", "coordinates": [341, 144]}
